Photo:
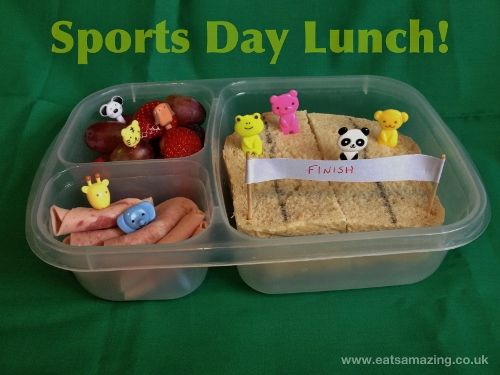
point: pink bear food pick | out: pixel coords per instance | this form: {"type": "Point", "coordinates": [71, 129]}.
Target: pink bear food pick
{"type": "Point", "coordinates": [285, 106]}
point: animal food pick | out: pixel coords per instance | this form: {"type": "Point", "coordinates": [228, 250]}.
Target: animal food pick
{"type": "Point", "coordinates": [97, 193]}
{"type": "Point", "coordinates": [136, 217]}
{"type": "Point", "coordinates": [249, 128]}
{"type": "Point", "coordinates": [131, 134]}
{"type": "Point", "coordinates": [285, 106]}
{"type": "Point", "coordinates": [390, 120]}
{"type": "Point", "coordinates": [163, 115]}
{"type": "Point", "coordinates": [351, 142]}
{"type": "Point", "coordinates": [113, 109]}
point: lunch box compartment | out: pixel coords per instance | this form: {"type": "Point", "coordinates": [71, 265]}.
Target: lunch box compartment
{"type": "Point", "coordinates": [149, 284]}
{"type": "Point", "coordinates": [139, 276]}
{"type": "Point", "coordinates": [71, 147]}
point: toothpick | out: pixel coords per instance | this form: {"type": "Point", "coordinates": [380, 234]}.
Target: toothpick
{"type": "Point", "coordinates": [434, 191]}
{"type": "Point", "coordinates": [249, 195]}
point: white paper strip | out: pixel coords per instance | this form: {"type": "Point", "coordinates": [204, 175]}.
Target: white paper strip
{"type": "Point", "coordinates": [394, 168]}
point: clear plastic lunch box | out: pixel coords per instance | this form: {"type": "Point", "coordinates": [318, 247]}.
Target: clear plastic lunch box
{"type": "Point", "coordinates": [269, 265]}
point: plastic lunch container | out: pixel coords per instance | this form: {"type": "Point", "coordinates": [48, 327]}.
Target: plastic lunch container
{"type": "Point", "coordinates": [273, 265]}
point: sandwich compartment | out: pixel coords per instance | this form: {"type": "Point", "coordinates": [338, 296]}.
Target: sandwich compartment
{"type": "Point", "coordinates": [269, 265]}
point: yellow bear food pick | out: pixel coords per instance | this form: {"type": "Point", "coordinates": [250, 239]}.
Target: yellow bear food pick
{"type": "Point", "coordinates": [390, 120]}
{"type": "Point", "coordinates": [131, 134]}
{"type": "Point", "coordinates": [249, 127]}
{"type": "Point", "coordinates": [97, 192]}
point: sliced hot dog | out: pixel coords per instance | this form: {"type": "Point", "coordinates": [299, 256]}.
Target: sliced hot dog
{"type": "Point", "coordinates": [82, 219]}
{"type": "Point", "coordinates": [185, 228]}
{"type": "Point", "coordinates": [200, 228]}
{"type": "Point", "coordinates": [92, 237]}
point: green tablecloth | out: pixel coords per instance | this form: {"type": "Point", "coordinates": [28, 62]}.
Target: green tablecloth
{"type": "Point", "coordinates": [49, 324]}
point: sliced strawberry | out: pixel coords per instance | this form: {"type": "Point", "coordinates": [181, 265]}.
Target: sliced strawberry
{"type": "Point", "coordinates": [179, 142]}
{"type": "Point", "coordinates": [145, 117]}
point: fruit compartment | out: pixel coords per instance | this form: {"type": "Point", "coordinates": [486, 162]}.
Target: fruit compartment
{"type": "Point", "coordinates": [70, 146]}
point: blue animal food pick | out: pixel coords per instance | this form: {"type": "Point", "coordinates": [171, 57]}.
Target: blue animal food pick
{"type": "Point", "coordinates": [136, 216]}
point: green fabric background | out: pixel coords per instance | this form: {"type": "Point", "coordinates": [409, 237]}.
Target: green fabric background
{"type": "Point", "coordinates": [49, 324]}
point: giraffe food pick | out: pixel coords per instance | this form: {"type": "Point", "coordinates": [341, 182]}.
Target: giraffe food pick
{"type": "Point", "coordinates": [97, 193]}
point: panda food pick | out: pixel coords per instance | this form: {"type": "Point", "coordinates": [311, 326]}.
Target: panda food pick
{"type": "Point", "coordinates": [351, 142]}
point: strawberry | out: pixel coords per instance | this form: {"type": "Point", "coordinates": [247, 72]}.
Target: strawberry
{"type": "Point", "coordinates": [145, 117]}
{"type": "Point", "coordinates": [174, 122]}
{"type": "Point", "coordinates": [198, 129]}
{"type": "Point", "coordinates": [179, 142]}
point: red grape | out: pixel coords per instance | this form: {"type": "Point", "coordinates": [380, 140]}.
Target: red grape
{"type": "Point", "coordinates": [140, 152]}
{"type": "Point", "coordinates": [104, 136]}
{"type": "Point", "coordinates": [188, 111]}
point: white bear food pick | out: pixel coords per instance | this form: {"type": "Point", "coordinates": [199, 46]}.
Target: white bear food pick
{"type": "Point", "coordinates": [113, 109]}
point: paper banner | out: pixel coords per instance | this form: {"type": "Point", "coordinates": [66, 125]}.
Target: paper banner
{"type": "Point", "coordinates": [394, 168]}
